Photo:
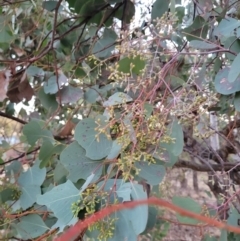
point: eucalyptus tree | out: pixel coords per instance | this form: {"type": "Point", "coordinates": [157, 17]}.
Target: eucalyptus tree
{"type": "Point", "coordinates": [105, 96]}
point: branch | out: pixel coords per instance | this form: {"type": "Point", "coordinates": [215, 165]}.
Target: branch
{"type": "Point", "coordinates": [56, 137]}
{"type": "Point", "coordinates": [13, 118]}
{"type": "Point", "coordinates": [74, 231]}
{"type": "Point", "coordinates": [227, 166]}
{"type": "Point", "coordinates": [20, 156]}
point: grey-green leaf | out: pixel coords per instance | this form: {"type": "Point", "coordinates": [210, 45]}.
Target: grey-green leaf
{"type": "Point", "coordinates": [60, 200]}
{"type": "Point", "coordinates": [233, 218]}
{"type": "Point", "coordinates": [30, 182]}
{"type": "Point", "coordinates": [48, 101]}
{"type": "Point", "coordinates": [176, 133]}
{"type": "Point", "coordinates": [35, 71]}
{"type": "Point", "coordinates": [116, 99]}
{"type": "Point", "coordinates": [50, 5]}
{"type": "Point", "coordinates": [234, 69]}
{"type": "Point", "coordinates": [159, 8]}
{"type": "Point", "coordinates": [223, 85]}
{"type": "Point", "coordinates": [34, 132]}
{"type": "Point", "coordinates": [152, 173]}
{"type": "Point", "coordinates": [69, 94]}
{"type": "Point", "coordinates": [96, 144]}
{"type": "Point", "coordinates": [31, 226]}
{"type": "Point", "coordinates": [53, 84]}
{"type": "Point", "coordinates": [74, 159]}
{"type": "Point", "coordinates": [226, 27]}
{"type": "Point", "coordinates": [104, 46]}
{"type": "Point", "coordinates": [197, 44]}
{"type": "Point", "coordinates": [188, 204]}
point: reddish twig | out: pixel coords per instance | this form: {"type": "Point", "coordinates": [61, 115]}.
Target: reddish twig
{"type": "Point", "coordinates": [81, 225]}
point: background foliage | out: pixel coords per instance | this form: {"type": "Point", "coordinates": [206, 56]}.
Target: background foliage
{"type": "Point", "coordinates": [107, 96]}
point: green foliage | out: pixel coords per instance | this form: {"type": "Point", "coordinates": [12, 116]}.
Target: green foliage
{"type": "Point", "coordinates": [69, 94]}
{"type": "Point", "coordinates": [50, 5]}
{"type": "Point", "coordinates": [234, 71]}
{"type": "Point", "coordinates": [153, 174]}
{"type": "Point", "coordinates": [52, 85]}
{"type": "Point", "coordinates": [175, 144]}
{"type": "Point", "coordinates": [201, 45]}
{"type": "Point", "coordinates": [208, 238]}
{"type": "Point", "coordinates": [59, 200]}
{"type": "Point", "coordinates": [94, 137]}
{"type": "Point", "coordinates": [226, 27]}
{"type": "Point", "coordinates": [78, 164]}
{"type": "Point", "coordinates": [34, 132]}
{"type": "Point", "coordinates": [159, 8]}
{"type": "Point", "coordinates": [237, 101]}
{"type": "Point", "coordinates": [103, 47]}
{"type": "Point", "coordinates": [47, 101]}
{"type": "Point", "coordinates": [117, 99]}
{"type": "Point", "coordinates": [189, 204]}
{"type": "Point", "coordinates": [31, 226]}
{"type": "Point", "coordinates": [131, 65]}
{"type": "Point", "coordinates": [109, 105]}
{"type": "Point", "coordinates": [197, 30]}
{"type": "Point", "coordinates": [223, 85]}
{"type": "Point", "coordinates": [30, 185]}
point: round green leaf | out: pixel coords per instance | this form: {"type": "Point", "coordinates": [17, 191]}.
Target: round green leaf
{"type": "Point", "coordinates": [176, 133]}
{"type": "Point", "coordinates": [180, 12]}
{"type": "Point", "coordinates": [91, 7]}
{"type": "Point", "coordinates": [117, 99]}
{"type": "Point", "coordinates": [35, 71]}
{"type": "Point", "coordinates": [46, 152]}
{"type": "Point", "coordinates": [74, 159]}
{"type": "Point", "coordinates": [131, 65]}
{"type": "Point", "coordinates": [152, 218]}
{"type": "Point", "coordinates": [60, 200]}
{"type": "Point", "coordinates": [223, 85]}
{"type": "Point", "coordinates": [117, 146]}
{"type": "Point", "coordinates": [6, 195]}
{"type": "Point", "coordinates": [76, 4]}
{"type": "Point", "coordinates": [234, 70]}
{"type": "Point", "coordinates": [50, 5]}
{"type": "Point", "coordinates": [60, 173]}
{"type": "Point", "coordinates": [148, 109]}
{"type": "Point", "coordinates": [31, 226]}
{"type": "Point", "coordinates": [224, 235]}
{"type": "Point", "coordinates": [5, 37]}
{"type": "Point", "coordinates": [159, 8]}
{"type": "Point", "coordinates": [129, 11]}
{"type": "Point", "coordinates": [233, 44]}
{"type": "Point", "coordinates": [30, 182]}
{"type": "Point", "coordinates": [199, 28]}
{"type": "Point", "coordinates": [93, 94]}
{"type": "Point", "coordinates": [233, 218]}
{"type": "Point", "coordinates": [226, 27]}
{"type": "Point", "coordinates": [152, 173]}
{"type": "Point", "coordinates": [138, 224]}
{"type": "Point", "coordinates": [69, 94]}
{"type": "Point", "coordinates": [53, 85]}
{"type": "Point", "coordinates": [188, 204]}
{"type": "Point", "coordinates": [33, 132]}
{"type": "Point", "coordinates": [103, 47]}
{"type": "Point", "coordinates": [97, 145]}
{"type": "Point", "coordinates": [48, 101]}
{"type": "Point", "coordinates": [124, 192]}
